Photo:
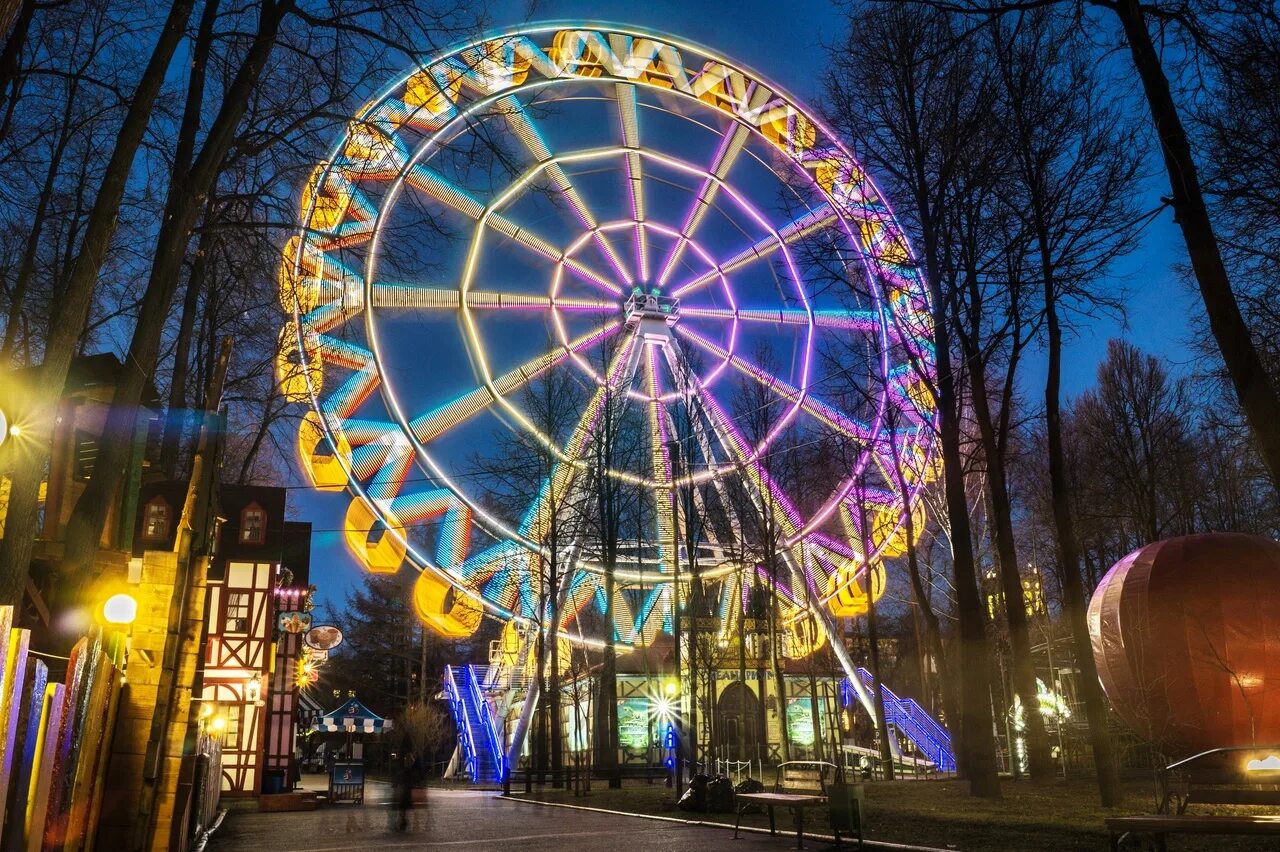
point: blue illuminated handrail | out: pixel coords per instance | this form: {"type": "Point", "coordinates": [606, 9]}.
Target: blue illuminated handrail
{"type": "Point", "coordinates": [482, 708]}
{"type": "Point", "coordinates": [465, 735]}
{"type": "Point", "coordinates": [918, 726]}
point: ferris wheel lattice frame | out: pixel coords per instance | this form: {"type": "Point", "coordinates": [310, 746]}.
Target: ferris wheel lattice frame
{"type": "Point", "coordinates": [358, 435]}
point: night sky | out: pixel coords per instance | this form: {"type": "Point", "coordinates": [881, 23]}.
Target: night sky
{"type": "Point", "coordinates": [783, 42]}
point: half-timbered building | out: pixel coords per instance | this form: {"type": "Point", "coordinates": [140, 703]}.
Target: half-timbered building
{"type": "Point", "coordinates": [258, 568]}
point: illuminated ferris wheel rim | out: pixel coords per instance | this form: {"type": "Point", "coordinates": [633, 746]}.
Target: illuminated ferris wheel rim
{"type": "Point", "coordinates": [841, 212]}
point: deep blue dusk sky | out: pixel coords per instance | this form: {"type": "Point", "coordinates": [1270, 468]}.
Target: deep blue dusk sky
{"type": "Point", "coordinates": [782, 41]}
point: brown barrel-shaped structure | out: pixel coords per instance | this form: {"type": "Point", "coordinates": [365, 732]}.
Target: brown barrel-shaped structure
{"type": "Point", "coordinates": [1186, 636]}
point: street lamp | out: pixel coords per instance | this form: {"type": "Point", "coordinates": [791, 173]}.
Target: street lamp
{"type": "Point", "coordinates": [120, 609]}
{"type": "Point", "coordinates": [7, 429]}
{"type": "Point", "coordinates": [253, 689]}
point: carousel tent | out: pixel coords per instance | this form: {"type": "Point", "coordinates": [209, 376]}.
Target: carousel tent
{"type": "Point", "coordinates": [352, 716]}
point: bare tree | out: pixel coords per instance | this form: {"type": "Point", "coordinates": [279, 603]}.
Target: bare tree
{"type": "Point", "coordinates": [1255, 387]}
{"type": "Point", "coordinates": [74, 302]}
{"type": "Point", "coordinates": [916, 106]}
{"type": "Point", "coordinates": [1074, 160]}
{"type": "Point", "coordinates": [522, 465]}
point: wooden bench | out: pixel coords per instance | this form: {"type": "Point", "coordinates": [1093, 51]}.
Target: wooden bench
{"type": "Point", "coordinates": [1222, 776]}
{"type": "Point", "coordinates": [799, 784]}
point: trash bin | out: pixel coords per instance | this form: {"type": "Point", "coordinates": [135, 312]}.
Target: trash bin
{"type": "Point", "coordinates": [844, 805]}
{"type": "Point", "coordinates": [273, 781]}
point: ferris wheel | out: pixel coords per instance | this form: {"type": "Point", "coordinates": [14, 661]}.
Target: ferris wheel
{"type": "Point", "coordinates": [642, 264]}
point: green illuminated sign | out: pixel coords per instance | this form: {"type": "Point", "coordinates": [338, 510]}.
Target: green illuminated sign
{"type": "Point", "coordinates": [633, 723]}
{"type": "Point", "coordinates": [800, 728]}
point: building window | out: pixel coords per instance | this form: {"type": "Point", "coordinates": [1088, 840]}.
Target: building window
{"type": "Point", "coordinates": [237, 620]}
{"type": "Point", "coordinates": [155, 520]}
{"type": "Point", "coordinates": [253, 525]}
{"type": "Point", "coordinates": [86, 455]}
{"type": "Point", "coordinates": [231, 737]}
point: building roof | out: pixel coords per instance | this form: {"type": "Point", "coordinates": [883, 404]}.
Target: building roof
{"type": "Point", "coordinates": [352, 715]}
{"type": "Point", "coordinates": [87, 372]}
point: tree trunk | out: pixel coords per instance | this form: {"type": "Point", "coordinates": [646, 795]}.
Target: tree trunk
{"type": "Point", "coordinates": [694, 609]}
{"type": "Point", "coordinates": [11, 58]}
{"type": "Point", "coordinates": [779, 682]}
{"type": "Point", "coordinates": [1095, 706]}
{"type": "Point", "coordinates": [882, 723]}
{"type": "Point", "coordinates": [26, 267]}
{"type": "Point", "coordinates": [553, 696]}
{"type": "Point", "coordinates": [1253, 386]}
{"type": "Point", "coordinates": [607, 711]}
{"type": "Point", "coordinates": [188, 189]}
{"type": "Point", "coordinates": [1040, 762]}
{"type": "Point", "coordinates": [194, 532]}
{"type": "Point", "coordinates": [742, 670]}
{"type": "Point", "coordinates": [538, 751]}
{"type": "Point", "coordinates": [175, 421]}
{"type": "Point", "coordinates": [73, 307]}
{"type": "Point", "coordinates": [924, 608]}
{"type": "Point", "coordinates": [977, 741]}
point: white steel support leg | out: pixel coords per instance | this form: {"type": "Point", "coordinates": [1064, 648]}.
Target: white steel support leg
{"type": "Point", "coordinates": [826, 623]}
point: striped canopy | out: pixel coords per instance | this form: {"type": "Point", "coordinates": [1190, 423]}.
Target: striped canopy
{"type": "Point", "coordinates": [353, 716]}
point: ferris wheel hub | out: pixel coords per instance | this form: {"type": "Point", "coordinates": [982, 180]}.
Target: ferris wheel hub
{"type": "Point", "coordinates": [652, 313]}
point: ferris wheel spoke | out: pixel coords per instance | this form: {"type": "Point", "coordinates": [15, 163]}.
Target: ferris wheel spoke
{"type": "Point", "coordinates": [731, 146]}
{"type": "Point", "coordinates": [685, 385]}
{"type": "Point", "coordinates": [533, 140]}
{"type": "Point", "coordinates": [629, 119]}
{"type": "Point", "coordinates": [660, 459]}
{"type": "Point", "coordinates": [770, 499]}
{"type": "Point", "coordinates": [861, 321]}
{"type": "Point", "coordinates": [437, 186]}
{"type": "Point", "coordinates": [815, 220]}
{"type": "Point", "coordinates": [621, 368]}
{"type": "Point", "coordinates": [445, 417]}
{"type": "Point", "coordinates": [450, 298]}
{"type": "Point", "coordinates": [785, 391]}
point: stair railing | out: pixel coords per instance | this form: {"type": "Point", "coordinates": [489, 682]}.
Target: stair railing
{"type": "Point", "coordinates": [486, 717]}
{"type": "Point", "coordinates": [465, 736]}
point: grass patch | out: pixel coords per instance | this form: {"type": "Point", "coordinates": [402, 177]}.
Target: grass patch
{"type": "Point", "coordinates": [1059, 815]}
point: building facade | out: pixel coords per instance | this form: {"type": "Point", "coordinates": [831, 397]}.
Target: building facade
{"type": "Point", "coordinates": [258, 569]}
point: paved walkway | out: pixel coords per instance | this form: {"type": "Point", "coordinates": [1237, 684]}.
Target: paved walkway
{"type": "Point", "coordinates": [466, 820]}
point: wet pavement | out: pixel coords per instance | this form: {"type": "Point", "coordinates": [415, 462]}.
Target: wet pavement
{"type": "Point", "coordinates": [473, 820]}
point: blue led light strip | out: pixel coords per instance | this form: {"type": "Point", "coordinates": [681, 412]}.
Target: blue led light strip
{"type": "Point", "coordinates": [463, 722]}
{"type": "Point", "coordinates": [486, 717]}
{"type": "Point", "coordinates": [922, 729]}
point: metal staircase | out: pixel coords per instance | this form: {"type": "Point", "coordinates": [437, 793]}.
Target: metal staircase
{"type": "Point", "coordinates": [915, 724]}
{"type": "Point", "coordinates": [478, 743]}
